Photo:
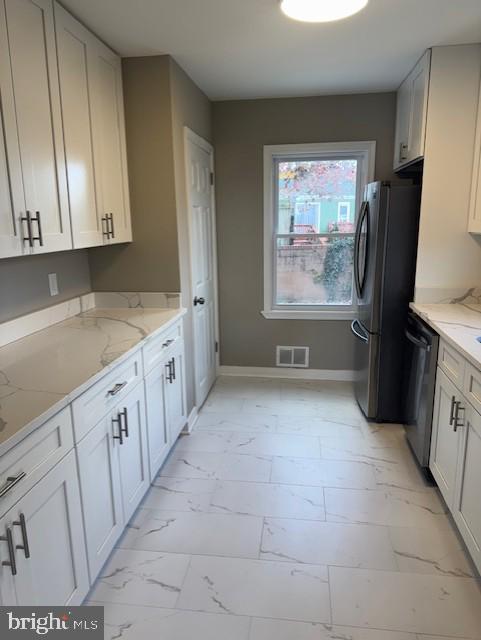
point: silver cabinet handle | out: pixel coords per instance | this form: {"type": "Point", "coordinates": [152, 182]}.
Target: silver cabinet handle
{"type": "Point", "coordinates": [120, 436]}
{"type": "Point", "coordinates": [124, 414]}
{"type": "Point", "coordinates": [11, 562]}
{"type": "Point", "coordinates": [117, 388]}
{"type": "Point", "coordinates": [28, 237]}
{"type": "Point", "coordinates": [453, 407]}
{"type": "Point", "coordinates": [39, 236]}
{"type": "Point", "coordinates": [110, 217]}
{"type": "Point", "coordinates": [457, 422]}
{"type": "Point", "coordinates": [105, 223]}
{"type": "Point", "coordinates": [11, 482]}
{"type": "Point", "coordinates": [403, 151]}
{"type": "Point", "coordinates": [21, 522]}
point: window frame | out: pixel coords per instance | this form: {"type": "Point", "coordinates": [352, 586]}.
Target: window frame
{"type": "Point", "coordinates": [343, 204]}
{"type": "Point", "coordinates": [365, 153]}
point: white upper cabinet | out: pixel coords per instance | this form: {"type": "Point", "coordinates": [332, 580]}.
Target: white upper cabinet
{"type": "Point", "coordinates": [76, 71]}
{"type": "Point", "coordinates": [110, 152]}
{"type": "Point", "coordinates": [475, 203]}
{"type": "Point", "coordinates": [33, 60]}
{"type": "Point", "coordinates": [412, 103]}
{"type": "Point", "coordinates": [63, 162]}
{"type": "Point", "coordinates": [93, 116]}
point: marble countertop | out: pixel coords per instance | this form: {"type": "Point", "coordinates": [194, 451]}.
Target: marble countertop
{"type": "Point", "coordinates": [458, 324]}
{"type": "Point", "coordinates": [43, 372]}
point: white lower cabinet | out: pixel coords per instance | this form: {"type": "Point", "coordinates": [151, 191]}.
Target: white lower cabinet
{"type": "Point", "coordinates": [47, 561]}
{"type": "Point", "coordinates": [467, 504]}
{"type": "Point", "coordinates": [445, 440]}
{"type": "Point", "coordinates": [133, 456]}
{"type": "Point", "coordinates": [175, 391]}
{"type": "Point", "coordinates": [69, 488]}
{"type": "Point", "coordinates": [113, 469]}
{"type": "Point", "coordinates": [99, 474]}
{"type": "Point", "coordinates": [158, 432]}
{"type": "Point", "coordinates": [456, 451]}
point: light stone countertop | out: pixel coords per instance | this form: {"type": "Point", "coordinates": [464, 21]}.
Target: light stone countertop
{"type": "Point", "coordinates": [43, 372]}
{"type": "Point", "coordinates": [457, 324]}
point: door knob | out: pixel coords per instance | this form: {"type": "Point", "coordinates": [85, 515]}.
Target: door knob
{"type": "Point", "coordinates": [198, 301]}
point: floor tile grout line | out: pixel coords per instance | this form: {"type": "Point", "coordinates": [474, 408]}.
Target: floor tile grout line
{"type": "Point", "coordinates": [413, 634]}
{"type": "Point", "coordinates": [288, 563]}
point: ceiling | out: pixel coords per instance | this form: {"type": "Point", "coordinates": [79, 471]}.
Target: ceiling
{"type": "Point", "coordinates": [248, 49]}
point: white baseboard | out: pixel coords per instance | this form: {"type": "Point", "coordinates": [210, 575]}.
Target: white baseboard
{"type": "Point", "coordinates": [292, 374]}
{"type": "Point", "coordinates": [191, 420]}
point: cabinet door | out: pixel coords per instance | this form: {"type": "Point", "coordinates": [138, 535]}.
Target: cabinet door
{"type": "Point", "coordinates": [133, 456]}
{"type": "Point", "coordinates": [467, 505]}
{"type": "Point", "coordinates": [12, 201]}
{"type": "Point", "coordinates": [33, 60]}
{"type": "Point", "coordinates": [76, 70]}
{"type": "Point", "coordinates": [7, 588]}
{"type": "Point", "coordinates": [175, 392]}
{"type": "Point", "coordinates": [419, 88]}
{"type": "Point", "coordinates": [157, 431]}
{"type": "Point", "coordinates": [109, 134]}
{"type": "Point", "coordinates": [55, 573]}
{"type": "Point", "coordinates": [403, 112]}
{"type": "Point", "coordinates": [445, 440]}
{"type": "Point", "coordinates": [101, 495]}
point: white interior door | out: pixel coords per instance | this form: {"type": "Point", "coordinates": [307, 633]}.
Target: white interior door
{"type": "Point", "coordinates": [199, 168]}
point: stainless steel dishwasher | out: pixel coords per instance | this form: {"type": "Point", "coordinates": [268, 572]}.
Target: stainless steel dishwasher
{"type": "Point", "coordinates": [422, 345]}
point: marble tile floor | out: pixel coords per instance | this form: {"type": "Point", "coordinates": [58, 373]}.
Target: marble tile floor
{"type": "Point", "coordinates": [287, 516]}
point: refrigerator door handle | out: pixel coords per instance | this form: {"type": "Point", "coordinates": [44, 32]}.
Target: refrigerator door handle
{"type": "Point", "coordinates": [355, 324]}
{"type": "Point", "coordinates": [357, 242]}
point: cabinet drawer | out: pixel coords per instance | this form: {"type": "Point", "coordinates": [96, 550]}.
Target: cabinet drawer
{"type": "Point", "coordinates": [472, 386]}
{"type": "Point", "coordinates": [452, 363]}
{"type": "Point", "coordinates": [156, 350]}
{"type": "Point", "coordinates": [34, 457]}
{"type": "Point", "coordinates": [95, 403]}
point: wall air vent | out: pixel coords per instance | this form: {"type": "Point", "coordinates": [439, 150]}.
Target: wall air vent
{"type": "Point", "coordinates": [297, 357]}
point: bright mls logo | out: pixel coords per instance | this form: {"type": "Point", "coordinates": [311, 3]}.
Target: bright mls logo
{"type": "Point", "coordinates": [32, 622]}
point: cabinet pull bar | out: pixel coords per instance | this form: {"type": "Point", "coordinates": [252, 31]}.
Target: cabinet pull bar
{"type": "Point", "coordinates": [457, 422]}
{"type": "Point", "coordinates": [11, 551]}
{"type": "Point", "coordinates": [11, 482]}
{"type": "Point", "coordinates": [23, 526]}
{"type": "Point", "coordinates": [120, 436]}
{"type": "Point", "coordinates": [112, 230]}
{"type": "Point", "coordinates": [117, 388]}
{"type": "Point", "coordinates": [173, 369]}
{"type": "Point", "coordinates": [38, 237]}
{"type": "Point", "coordinates": [125, 415]}
{"type": "Point", "coordinates": [28, 238]}
{"type": "Point", "coordinates": [169, 375]}
{"type": "Point", "coordinates": [105, 227]}
{"type": "Point", "coordinates": [453, 407]}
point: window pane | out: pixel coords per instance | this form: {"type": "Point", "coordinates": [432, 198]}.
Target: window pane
{"type": "Point", "coordinates": [316, 196]}
{"type": "Point", "coordinates": [314, 271]}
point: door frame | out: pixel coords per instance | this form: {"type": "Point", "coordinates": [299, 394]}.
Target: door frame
{"type": "Point", "coordinates": [192, 137]}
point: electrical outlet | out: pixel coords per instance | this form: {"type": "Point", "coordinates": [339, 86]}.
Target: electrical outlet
{"type": "Point", "coordinates": [53, 284]}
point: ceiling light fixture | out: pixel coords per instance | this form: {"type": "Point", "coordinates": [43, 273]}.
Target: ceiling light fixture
{"type": "Point", "coordinates": [321, 10]}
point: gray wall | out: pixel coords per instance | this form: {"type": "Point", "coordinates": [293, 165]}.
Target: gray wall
{"type": "Point", "coordinates": [241, 128]}
{"type": "Point", "coordinates": [24, 281]}
{"type": "Point", "coordinates": [151, 262]}
{"type": "Point", "coordinates": [160, 99]}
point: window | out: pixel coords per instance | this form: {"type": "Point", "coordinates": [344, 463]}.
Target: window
{"type": "Point", "coordinates": [312, 195]}
{"type": "Point", "coordinates": [343, 212]}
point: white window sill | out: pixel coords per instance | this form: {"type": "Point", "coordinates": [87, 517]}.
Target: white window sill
{"type": "Point", "coordinates": [277, 314]}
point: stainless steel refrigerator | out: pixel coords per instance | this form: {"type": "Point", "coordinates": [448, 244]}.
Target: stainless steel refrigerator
{"type": "Point", "coordinates": [385, 249]}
